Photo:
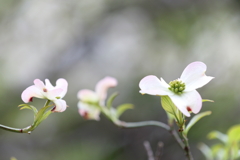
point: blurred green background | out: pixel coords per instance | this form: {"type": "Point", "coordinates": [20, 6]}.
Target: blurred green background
{"type": "Point", "coordinates": [85, 40]}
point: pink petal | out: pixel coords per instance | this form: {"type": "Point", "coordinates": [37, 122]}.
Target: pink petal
{"type": "Point", "coordinates": [194, 76]}
{"type": "Point", "coordinates": [60, 105]}
{"type": "Point", "coordinates": [88, 111]}
{"type": "Point", "coordinates": [87, 95]}
{"type": "Point", "coordinates": [153, 86]}
{"type": "Point", "coordinates": [39, 84]}
{"type": "Point", "coordinates": [103, 85]}
{"type": "Point", "coordinates": [63, 84]}
{"type": "Point", "coordinates": [31, 92]}
{"type": "Point", "coordinates": [188, 101]}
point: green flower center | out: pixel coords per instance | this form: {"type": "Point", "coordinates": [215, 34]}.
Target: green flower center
{"type": "Point", "coordinates": [177, 86]}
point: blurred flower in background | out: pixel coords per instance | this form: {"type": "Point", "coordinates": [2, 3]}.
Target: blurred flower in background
{"type": "Point", "coordinates": [89, 101]}
{"type": "Point", "coordinates": [84, 41]}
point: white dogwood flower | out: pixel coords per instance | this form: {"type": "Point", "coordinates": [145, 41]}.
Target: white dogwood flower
{"type": "Point", "coordinates": [182, 91]}
{"type": "Point", "coordinates": [48, 91]}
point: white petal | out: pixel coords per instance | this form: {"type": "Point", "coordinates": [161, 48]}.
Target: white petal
{"type": "Point", "coordinates": [153, 86]}
{"type": "Point", "coordinates": [198, 83]}
{"type": "Point", "coordinates": [60, 105]}
{"type": "Point", "coordinates": [39, 84]}
{"type": "Point", "coordinates": [194, 76]}
{"type": "Point", "coordinates": [31, 92]}
{"type": "Point", "coordinates": [53, 94]}
{"type": "Point", "coordinates": [88, 111]}
{"type": "Point", "coordinates": [164, 83]}
{"type": "Point", "coordinates": [48, 84]}
{"type": "Point", "coordinates": [188, 101]}
{"type": "Point", "coordinates": [63, 84]}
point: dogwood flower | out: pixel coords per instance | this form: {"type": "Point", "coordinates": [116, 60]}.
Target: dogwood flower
{"type": "Point", "coordinates": [47, 91]}
{"type": "Point", "coordinates": [90, 100]}
{"type": "Point", "coordinates": [182, 91]}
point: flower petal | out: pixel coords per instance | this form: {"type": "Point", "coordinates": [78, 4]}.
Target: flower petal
{"type": "Point", "coordinates": [164, 83]}
{"type": "Point", "coordinates": [88, 111]}
{"type": "Point", "coordinates": [39, 84]}
{"type": "Point", "coordinates": [60, 105]}
{"type": "Point", "coordinates": [31, 92]}
{"type": "Point", "coordinates": [53, 94]}
{"type": "Point", "coordinates": [103, 85]}
{"type": "Point", "coordinates": [63, 84]}
{"type": "Point", "coordinates": [153, 86]}
{"type": "Point", "coordinates": [194, 76]}
{"type": "Point", "coordinates": [188, 101]}
{"type": "Point", "coordinates": [48, 84]}
{"type": "Point", "coordinates": [87, 95]}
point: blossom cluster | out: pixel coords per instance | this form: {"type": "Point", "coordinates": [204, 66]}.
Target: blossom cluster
{"type": "Point", "coordinates": [179, 98]}
{"type": "Point", "coordinates": [181, 91]}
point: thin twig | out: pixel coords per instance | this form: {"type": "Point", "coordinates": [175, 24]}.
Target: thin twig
{"type": "Point", "coordinates": [169, 128]}
{"type": "Point", "coordinates": [142, 124]}
{"type": "Point", "coordinates": [183, 141]}
{"type": "Point", "coordinates": [159, 151]}
{"type": "Point", "coordinates": [27, 129]}
{"type": "Point", "coordinates": [16, 130]}
{"type": "Point", "coordinates": [149, 150]}
{"type": "Point", "coordinates": [176, 137]}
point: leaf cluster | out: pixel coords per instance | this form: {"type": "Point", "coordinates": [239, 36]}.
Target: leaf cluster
{"type": "Point", "coordinates": [228, 147]}
{"type": "Point", "coordinates": [39, 115]}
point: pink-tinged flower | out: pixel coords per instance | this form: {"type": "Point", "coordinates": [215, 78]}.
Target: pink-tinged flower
{"type": "Point", "coordinates": [90, 100]}
{"type": "Point", "coordinates": [181, 91]}
{"type": "Point", "coordinates": [48, 91]}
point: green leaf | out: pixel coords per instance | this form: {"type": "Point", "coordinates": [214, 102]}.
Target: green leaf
{"type": "Point", "coordinates": [170, 108]}
{"type": "Point", "coordinates": [168, 105]}
{"type": "Point", "coordinates": [40, 115]}
{"type": "Point", "coordinates": [26, 106]}
{"type": "Point", "coordinates": [195, 119]}
{"type": "Point", "coordinates": [206, 151]}
{"type": "Point", "coordinates": [46, 114]}
{"type": "Point", "coordinates": [171, 119]}
{"type": "Point", "coordinates": [207, 100]}
{"type": "Point", "coordinates": [218, 135]}
{"type": "Point", "coordinates": [111, 98]}
{"type": "Point", "coordinates": [234, 134]}
{"type": "Point", "coordinates": [233, 149]}
{"type": "Point", "coordinates": [122, 108]}
{"type": "Point", "coordinates": [219, 151]}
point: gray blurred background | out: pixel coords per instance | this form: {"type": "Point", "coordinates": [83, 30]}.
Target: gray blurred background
{"type": "Point", "coordinates": [85, 40]}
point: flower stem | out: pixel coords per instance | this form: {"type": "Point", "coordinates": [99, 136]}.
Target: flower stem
{"type": "Point", "coordinates": [142, 124]}
{"type": "Point", "coordinates": [186, 146]}
{"type": "Point", "coordinates": [123, 124]}
{"type": "Point", "coordinates": [27, 129]}
{"type": "Point", "coordinates": [176, 137]}
{"type": "Point", "coordinates": [16, 130]}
